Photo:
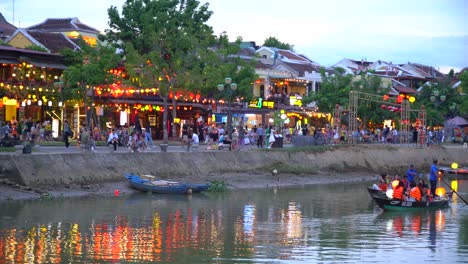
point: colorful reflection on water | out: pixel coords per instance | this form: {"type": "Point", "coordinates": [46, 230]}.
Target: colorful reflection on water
{"type": "Point", "coordinates": [275, 225]}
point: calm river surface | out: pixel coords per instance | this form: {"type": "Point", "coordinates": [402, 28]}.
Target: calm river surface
{"type": "Point", "coordinates": [320, 224]}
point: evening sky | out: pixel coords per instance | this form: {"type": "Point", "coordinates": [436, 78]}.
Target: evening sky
{"type": "Point", "coordinates": [431, 32]}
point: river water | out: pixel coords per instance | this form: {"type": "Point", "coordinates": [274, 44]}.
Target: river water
{"type": "Point", "coordinates": [321, 224]}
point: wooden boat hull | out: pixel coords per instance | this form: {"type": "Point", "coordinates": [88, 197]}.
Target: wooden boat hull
{"type": "Point", "coordinates": [377, 193]}
{"type": "Point", "coordinates": [397, 205]}
{"type": "Point", "coordinates": [147, 186]}
{"type": "Point", "coordinates": [199, 187]}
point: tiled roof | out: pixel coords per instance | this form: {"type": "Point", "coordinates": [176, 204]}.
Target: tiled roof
{"type": "Point", "coordinates": [301, 68]}
{"type": "Point", "coordinates": [291, 55]}
{"type": "Point", "coordinates": [61, 25]}
{"type": "Point", "coordinates": [55, 42]}
{"type": "Point", "coordinates": [429, 70]}
{"type": "Point", "coordinates": [5, 27]}
{"type": "Point", "coordinates": [404, 89]}
{"type": "Point", "coordinates": [13, 55]}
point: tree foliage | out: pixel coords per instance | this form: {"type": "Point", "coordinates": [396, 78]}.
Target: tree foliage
{"type": "Point", "coordinates": [168, 45]}
{"type": "Point", "coordinates": [36, 48]}
{"type": "Point", "coordinates": [439, 110]}
{"type": "Point", "coordinates": [87, 67]}
{"type": "Point", "coordinates": [335, 88]}
{"type": "Point", "coordinates": [275, 43]}
{"type": "Point", "coordinates": [165, 43]}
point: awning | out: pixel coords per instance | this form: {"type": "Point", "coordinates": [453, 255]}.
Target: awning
{"type": "Point", "coordinates": [8, 61]}
{"type": "Point", "coordinates": [47, 64]}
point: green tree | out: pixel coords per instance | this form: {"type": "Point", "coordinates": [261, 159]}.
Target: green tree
{"type": "Point", "coordinates": [334, 90]}
{"type": "Point", "coordinates": [441, 100]}
{"type": "Point", "coordinates": [275, 43]}
{"type": "Point", "coordinates": [87, 68]}
{"type": "Point", "coordinates": [36, 48]}
{"type": "Point", "coordinates": [165, 43]}
{"type": "Point", "coordinates": [463, 91]}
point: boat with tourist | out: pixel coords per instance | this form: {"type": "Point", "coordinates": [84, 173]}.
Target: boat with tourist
{"type": "Point", "coordinates": [390, 204]}
{"type": "Point", "coordinates": [148, 183]}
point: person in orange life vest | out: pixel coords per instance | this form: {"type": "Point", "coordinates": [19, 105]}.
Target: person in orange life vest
{"type": "Point", "coordinates": [415, 193]}
{"type": "Point", "coordinates": [398, 191]}
{"type": "Point", "coordinates": [425, 191]}
{"type": "Point", "coordinates": [381, 184]}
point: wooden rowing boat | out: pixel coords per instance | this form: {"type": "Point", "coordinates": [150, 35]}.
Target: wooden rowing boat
{"type": "Point", "coordinates": [388, 204]}
{"type": "Point", "coordinates": [148, 183]}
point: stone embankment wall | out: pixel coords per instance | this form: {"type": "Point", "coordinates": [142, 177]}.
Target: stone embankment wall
{"type": "Point", "coordinates": [51, 169]}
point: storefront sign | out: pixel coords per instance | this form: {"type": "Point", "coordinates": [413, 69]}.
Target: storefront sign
{"type": "Point", "coordinates": [152, 120]}
{"type": "Point", "coordinates": [295, 100]}
{"type": "Point", "coordinates": [260, 103]}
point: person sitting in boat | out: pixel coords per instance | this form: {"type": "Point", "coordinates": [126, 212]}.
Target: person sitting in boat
{"type": "Point", "coordinates": [415, 194]}
{"type": "Point", "coordinates": [425, 191]}
{"type": "Point", "coordinates": [381, 185]}
{"type": "Point", "coordinates": [398, 191]}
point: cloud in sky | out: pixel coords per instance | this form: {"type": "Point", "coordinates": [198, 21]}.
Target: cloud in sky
{"type": "Point", "coordinates": [431, 32]}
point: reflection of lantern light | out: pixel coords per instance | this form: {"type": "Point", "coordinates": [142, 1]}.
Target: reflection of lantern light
{"type": "Point", "coordinates": [440, 191]}
{"type": "Point", "coordinates": [389, 193]}
{"type": "Point", "coordinates": [440, 220]}
{"type": "Point", "coordinates": [454, 185]}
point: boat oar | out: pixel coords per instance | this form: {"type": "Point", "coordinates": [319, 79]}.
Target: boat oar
{"type": "Point", "coordinates": [455, 192]}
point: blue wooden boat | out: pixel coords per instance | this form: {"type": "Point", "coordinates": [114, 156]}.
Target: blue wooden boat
{"type": "Point", "coordinates": [148, 183]}
{"type": "Point", "coordinates": [199, 187]}
{"type": "Point", "coordinates": [157, 186]}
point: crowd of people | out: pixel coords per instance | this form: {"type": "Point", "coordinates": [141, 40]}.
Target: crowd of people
{"type": "Point", "coordinates": [26, 130]}
{"type": "Point", "coordinates": [410, 187]}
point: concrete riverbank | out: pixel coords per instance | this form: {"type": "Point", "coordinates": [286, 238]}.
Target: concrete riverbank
{"type": "Point", "coordinates": [239, 169]}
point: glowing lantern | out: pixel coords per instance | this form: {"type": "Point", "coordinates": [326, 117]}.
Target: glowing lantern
{"type": "Point", "coordinates": [385, 97]}
{"type": "Point", "coordinates": [440, 191]}
{"type": "Point", "coordinates": [454, 165]}
{"type": "Point", "coordinates": [412, 99]}
{"type": "Point", "coordinates": [389, 193]}
{"type": "Point", "coordinates": [395, 183]}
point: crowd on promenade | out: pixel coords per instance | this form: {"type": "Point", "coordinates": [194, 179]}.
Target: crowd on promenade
{"type": "Point", "coordinates": [137, 138]}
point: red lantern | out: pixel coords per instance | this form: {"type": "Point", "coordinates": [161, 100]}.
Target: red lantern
{"type": "Point", "coordinates": [385, 97]}
{"type": "Point", "coordinates": [383, 106]}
